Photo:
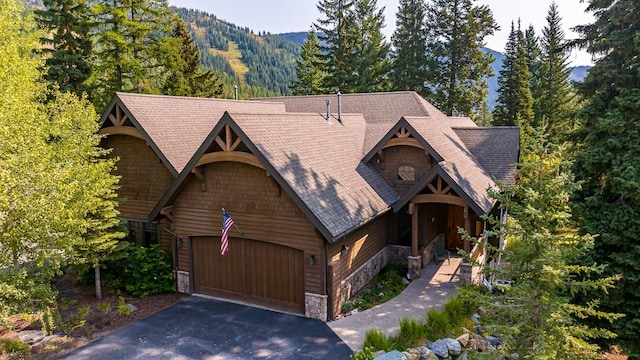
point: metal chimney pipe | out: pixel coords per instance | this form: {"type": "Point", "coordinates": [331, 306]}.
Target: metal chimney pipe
{"type": "Point", "coordinates": [235, 92]}
{"type": "Point", "coordinates": [339, 107]}
{"type": "Point", "coordinates": [328, 110]}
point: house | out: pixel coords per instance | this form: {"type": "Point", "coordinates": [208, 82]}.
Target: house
{"type": "Point", "coordinates": [325, 189]}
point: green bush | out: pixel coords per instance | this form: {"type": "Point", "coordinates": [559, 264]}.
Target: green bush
{"type": "Point", "coordinates": [384, 287]}
{"type": "Point", "coordinates": [16, 348]}
{"type": "Point", "coordinates": [377, 340]}
{"type": "Point", "coordinates": [412, 332]}
{"type": "Point", "coordinates": [149, 272]}
{"type": "Point", "coordinates": [365, 354]}
{"type": "Point", "coordinates": [141, 271]}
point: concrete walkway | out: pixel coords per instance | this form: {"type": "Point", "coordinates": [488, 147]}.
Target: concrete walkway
{"type": "Point", "coordinates": [435, 286]}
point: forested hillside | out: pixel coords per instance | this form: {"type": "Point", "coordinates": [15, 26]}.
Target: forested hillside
{"type": "Point", "coordinates": [260, 64]}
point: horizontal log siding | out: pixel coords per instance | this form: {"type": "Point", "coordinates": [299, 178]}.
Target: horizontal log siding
{"type": "Point", "coordinates": [363, 244]}
{"type": "Point", "coordinates": [257, 206]}
{"type": "Point", "coordinates": [144, 177]}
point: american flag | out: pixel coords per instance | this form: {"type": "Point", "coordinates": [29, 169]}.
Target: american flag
{"type": "Point", "coordinates": [227, 223]}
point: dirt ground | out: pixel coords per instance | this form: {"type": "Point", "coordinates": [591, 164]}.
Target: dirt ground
{"type": "Point", "coordinates": [83, 318]}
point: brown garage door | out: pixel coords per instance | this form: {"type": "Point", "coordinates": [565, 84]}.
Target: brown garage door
{"type": "Point", "coordinates": [253, 271]}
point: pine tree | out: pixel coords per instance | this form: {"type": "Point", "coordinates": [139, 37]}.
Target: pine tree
{"type": "Point", "coordinates": [308, 68]}
{"type": "Point", "coordinates": [515, 103]}
{"type": "Point", "coordinates": [533, 316]}
{"type": "Point", "coordinates": [130, 37]}
{"type": "Point", "coordinates": [67, 44]}
{"type": "Point", "coordinates": [337, 50]}
{"type": "Point", "coordinates": [456, 65]}
{"type": "Point", "coordinates": [608, 161]}
{"type": "Point", "coordinates": [556, 93]}
{"type": "Point", "coordinates": [410, 44]}
{"type": "Point", "coordinates": [184, 74]}
{"type": "Point", "coordinates": [535, 65]}
{"type": "Point", "coordinates": [372, 64]}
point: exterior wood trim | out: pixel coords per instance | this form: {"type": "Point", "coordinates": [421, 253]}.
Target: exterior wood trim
{"type": "Point", "coordinates": [122, 130]}
{"type": "Point", "coordinates": [438, 198]}
{"type": "Point", "coordinates": [236, 156]}
{"type": "Point", "coordinates": [402, 141]}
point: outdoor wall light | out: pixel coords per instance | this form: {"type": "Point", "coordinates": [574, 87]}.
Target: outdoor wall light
{"type": "Point", "coordinates": [344, 250]}
{"type": "Point", "coordinates": [312, 259]}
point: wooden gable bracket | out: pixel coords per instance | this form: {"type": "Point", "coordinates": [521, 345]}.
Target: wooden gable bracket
{"type": "Point", "coordinates": [438, 189]}
{"type": "Point", "coordinates": [167, 211]}
{"type": "Point", "coordinates": [199, 174]}
{"type": "Point", "coordinates": [402, 137]}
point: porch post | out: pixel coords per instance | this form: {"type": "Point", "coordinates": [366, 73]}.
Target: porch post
{"type": "Point", "coordinates": [413, 211]}
{"type": "Point", "coordinates": [467, 228]}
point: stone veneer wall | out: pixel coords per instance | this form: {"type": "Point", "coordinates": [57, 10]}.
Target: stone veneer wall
{"type": "Point", "coordinates": [364, 274]}
{"type": "Point", "coordinates": [315, 306]}
{"type": "Point", "coordinates": [398, 254]}
{"type": "Point", "coordinates": [470, 274]}
{"type": "Point", "coordinates": [182, 278]}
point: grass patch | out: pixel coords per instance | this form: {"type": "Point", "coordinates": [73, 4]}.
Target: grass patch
{"type": "Point", "coordinates": [384, 287]}
{"type": "Point", "coordinates": [377, 340]}
{"type": "Point", "coordinates": [15, 348]}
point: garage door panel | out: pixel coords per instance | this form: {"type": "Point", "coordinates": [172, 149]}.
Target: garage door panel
{"type": "Point", "coordinates": [254, 271]}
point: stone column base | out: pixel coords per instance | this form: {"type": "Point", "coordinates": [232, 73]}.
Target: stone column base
{"type": "Point", "coordinates": [315, 306]}
{"type": "Point", "coordinates": [182, 278]}
{"type": "Point", "coordinates": [415, 265]}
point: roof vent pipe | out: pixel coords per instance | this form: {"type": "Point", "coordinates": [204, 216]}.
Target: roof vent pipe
{"type": "Point", "coordinates": [235, 92]}
{"type": "Point", "coordinates": [328, 110]}
{"type": "Point", "coordinates": [339, 107]}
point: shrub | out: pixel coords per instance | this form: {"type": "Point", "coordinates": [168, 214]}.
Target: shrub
{"type": "Point", "coordinates": [15, 347]}
{"type": "Point", "coordinates": [149, 272]}
{"type": "Point", "coordinates": [365, 354]}
{"type": "Point", "coordinates": [457, 310]}
{"type": "Point", "coordinates": [438, 324]}
{"type": "Point", "coordinates": [377, 340]}
{"type": "Point", "coordinates": [123, 309]}
{"type": "Point", "coordinates": [411, 331]}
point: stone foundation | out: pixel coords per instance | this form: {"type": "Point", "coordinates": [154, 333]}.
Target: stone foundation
{"type": "Point", "coordinates": [315, 306]}
{"type": "Point", "coordinates": [414, 263]}
{"type": "Point", "coordinates": [361, 277]}
{"type": "Point", "coordinates": [398, 254]}
{"type": "Point", "coordinates": [182, 279]}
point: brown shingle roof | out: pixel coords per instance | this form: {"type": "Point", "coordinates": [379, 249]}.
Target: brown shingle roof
{"type": "Point", "coordinates": [320, 162]}
{"type": "Point", "coordinates": [495, 148]}
{"type": "Point", "coordinates": [178, 125]}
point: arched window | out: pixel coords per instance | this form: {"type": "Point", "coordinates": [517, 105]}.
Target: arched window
{"type": "Point", "coordinates": [406, 173]}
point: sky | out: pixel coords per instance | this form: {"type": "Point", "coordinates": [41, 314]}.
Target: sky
{"type": "Point", "coordinates": [280, 16]}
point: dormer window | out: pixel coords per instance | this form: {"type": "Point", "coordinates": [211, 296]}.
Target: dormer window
{"type": "Point", "coordinates": [406, 173]}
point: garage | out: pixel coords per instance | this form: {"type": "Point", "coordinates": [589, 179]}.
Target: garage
{"type": "Point", "coordinates": [255, 272]}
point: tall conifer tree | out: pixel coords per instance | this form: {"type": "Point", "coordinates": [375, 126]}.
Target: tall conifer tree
{"type": "Point", "coordinates": [309, 68]}
{"type": "Point", "coordinates": [515, 103]}
{"type": "Point", "coordinates": [372, 63]}
{"type": "Point", "coordinates": [456, 65]}
{"type": "Point", "coordinates": [410, 47]}
{"type": "Point", "coordinates": [608, 161]}
{"type": "Point", "coordinates": [67, 43]}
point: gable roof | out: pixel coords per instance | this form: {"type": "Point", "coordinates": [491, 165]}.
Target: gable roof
{"type": "Point", "coordinates": [493, 147]}
{"type": "Point", "coordinates": [175, 126]}
{"type": "Point", "coordinates": [316, 163]}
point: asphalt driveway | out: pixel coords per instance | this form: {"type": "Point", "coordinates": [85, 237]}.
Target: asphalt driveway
{"type": "Point", "coordinates": [201, 328]}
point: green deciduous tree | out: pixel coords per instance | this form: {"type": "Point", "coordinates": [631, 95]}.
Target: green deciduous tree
{"type": "Point", "coordinates": [456, 65]}
{"type": "Point", "coordinates": [608, 160]}
{"type": "Point", "coordinates": [533, 315]}
{"type": "Point", "coordinates": [67, 43]}
{"type": "Point", "coordinates": [309, 73]}
{"type": "Point", "coordinates": [185, 76]}
{"type": "Point", "coordinates": [410, 47]}
{"type": "Point", "coordinates": [54, 182]}
{"type": "Point", "coordinates": [515, 103]}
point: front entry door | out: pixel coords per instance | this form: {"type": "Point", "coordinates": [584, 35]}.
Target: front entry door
{"type": "Point", "coordinates": [456, 219]}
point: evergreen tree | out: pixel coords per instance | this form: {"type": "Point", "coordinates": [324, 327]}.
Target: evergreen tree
{"type": "Point", "coordinates": [67, 43]}
{"type": "Point", "coordinates": [337, 50]}
{"type": "Point", "coordinates": [535, 65]}
{"type": "Point", "coordinates": [515, 103]}
{"type": "Point", "coordinates": [308, 68]}
{"type": "Point", "coordinates": [608, 161]}
{"type": "Point", "coordinates": [456, 65]}
{"type": "Point", "coordinates": [533, 316]}
{"type": "Point", "coordinates": [372, 64]}
{"type": "Point", "coordinates": [130, 38]}
{"type": "Point", "coordinates": [410, 44]}
{"type": "Point", "coordinates": [556, 93]}
{"type": "Point", "coordinates": [185, 76]}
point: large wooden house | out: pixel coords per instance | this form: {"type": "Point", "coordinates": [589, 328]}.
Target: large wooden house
{"type": "Point", "coordinates": [326, 189]}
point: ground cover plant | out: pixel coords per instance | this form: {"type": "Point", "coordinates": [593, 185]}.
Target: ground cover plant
{"type": "Point", "coordinates": [384, 287]}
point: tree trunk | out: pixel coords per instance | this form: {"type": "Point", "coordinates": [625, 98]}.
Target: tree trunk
{"type": "Point", "coordinates": [97, 281]}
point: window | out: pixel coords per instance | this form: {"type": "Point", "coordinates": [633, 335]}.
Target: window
{"type": "Point", "coordinates": [406, 173]}
{"type": "Point", "coordinates": [142, 233]}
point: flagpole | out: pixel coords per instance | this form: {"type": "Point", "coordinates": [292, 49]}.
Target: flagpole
{"type": "Point", "coordinates": [234, 224]}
